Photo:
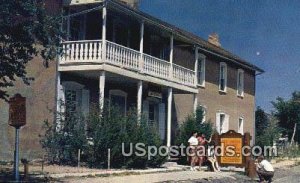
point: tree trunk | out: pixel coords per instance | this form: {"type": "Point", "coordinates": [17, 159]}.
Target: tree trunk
{"type": "Point", "coordinates": [292, 139]}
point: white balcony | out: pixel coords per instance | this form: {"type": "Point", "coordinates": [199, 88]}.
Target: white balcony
{"type": "Point", "coordinates": [90, 52]}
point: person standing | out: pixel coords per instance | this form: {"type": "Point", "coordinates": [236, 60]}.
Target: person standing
{"type": "Point", "coordinates": [201, 153]}
{"type": "Point", "coordinates": [193, 143]}
{"type": "Point", "coordinates": [264, 169]}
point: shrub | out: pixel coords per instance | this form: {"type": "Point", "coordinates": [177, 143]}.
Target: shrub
{"type": "Point", "coordinates": [95, 134]}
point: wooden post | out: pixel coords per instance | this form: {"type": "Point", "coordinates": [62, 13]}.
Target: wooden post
{"type": "Point", "coordinates": [78, 158]}
{"type": "Point", "coordinates": [169, 117]}
{"type": "Point", "coordinates": [139, 100]}
{"type": "Point", "coordinates": [104, 19]}
{"type": "Point", "coordinates": [196, 65]}
{"type": "Point", "coordinates": [101, 91]}
{"type": "Point", "coordinates": [141, 65]}
{"type": "Point", "coordinates": [108, 159]}
{"type": "Point", "coordinates": [171, 56]}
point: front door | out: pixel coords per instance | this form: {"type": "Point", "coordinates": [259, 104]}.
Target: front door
{"type": "Point", "coordinates": [154, 111]}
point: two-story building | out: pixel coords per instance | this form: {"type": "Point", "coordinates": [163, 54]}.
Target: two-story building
{"type": "Point", "coordinates": [114, 52]}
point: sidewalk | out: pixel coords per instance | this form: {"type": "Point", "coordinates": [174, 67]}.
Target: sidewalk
{"type": "Point", "coordinates": [170, 172]}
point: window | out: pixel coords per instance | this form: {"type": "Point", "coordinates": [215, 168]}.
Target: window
{"type": "Point", "coordinates": [240, 83]}
{"type": "Point", "coordinates": [222, 122]}
{"type": "Point", "coordinates": [201, 70]}
{"type": "Point", "coordinates": [118, 99]}
{"type": "Point", "coordinates": [223, 77]}
{"type": "Point", "coordinates": [153, 114]}
{"type": "Point", "coordinates": [241, 126]}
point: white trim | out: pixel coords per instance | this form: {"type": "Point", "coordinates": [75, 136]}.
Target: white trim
{"type": "Point", "coordinates": [202, 59]}
{"type": "Point", "coordinates": [240, 71]}
{"type": "Point", "coordinates": [118, 93]}
{"type": "Point", "coordinates": [223, 64]}
{"type": "Point", "coordinates": [128, 73]}
{"type": "Point", "coordinates": [241, 129]}
{"type": "Point", "coordinates": [224, 127]}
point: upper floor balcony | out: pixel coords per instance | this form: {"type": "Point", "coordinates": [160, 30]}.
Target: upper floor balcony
{"type": "Point", "coordinates": [111, 39]}
{"type": "Point", "coordinates": [87, 52]}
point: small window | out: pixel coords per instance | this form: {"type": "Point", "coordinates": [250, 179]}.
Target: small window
{"type": "Point", "coordinates": [223, 77]}
{"type": "Point", "coordinates": [240, 83]}
{"type": "Point", "coordinates": [241, 126]}
{"type": "Point", "coordinates": [201, 70]}
{"type": "Point", "coordinates": [222, 122]}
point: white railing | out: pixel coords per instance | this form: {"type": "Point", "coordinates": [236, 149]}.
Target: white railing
{"type": "Point", "coordinates": [81, 51]}
{"type": "Point", "coordinates": [183, 75]}
{"type": "Point", "coordinates": [156, 67]}
{"type": "Point", "coordinates": [91, 51]}
{"type": "Point", "coordinates": [122, 56]}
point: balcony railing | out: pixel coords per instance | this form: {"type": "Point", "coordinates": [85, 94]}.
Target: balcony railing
{"type": "Point", "coordinates": [91, 51]}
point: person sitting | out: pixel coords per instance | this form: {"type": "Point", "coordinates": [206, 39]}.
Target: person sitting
{"type": "Point", "coordinates": [193, 143]}
{"type": "Point", "coordinates": [264, 169]}
{"type": "Point", "coordinates": [212, 159]}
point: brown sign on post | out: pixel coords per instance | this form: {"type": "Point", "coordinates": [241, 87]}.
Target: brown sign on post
{"type": "Point", "coordinates": [17, 111]}
{"type": "Point", "coordinates": [232, 139]}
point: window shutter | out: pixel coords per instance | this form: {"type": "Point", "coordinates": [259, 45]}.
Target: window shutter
{"type": "Point", "coordinates": [218, 123]}
{"type": "Point", "coordinates": [146, 110]}
{"type": "Point", "coordinates": [161, 120]}
{"type": "Point", "coordinates": [85, 102]}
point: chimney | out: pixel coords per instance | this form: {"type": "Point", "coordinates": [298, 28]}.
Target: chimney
{"type": "Point", "coordinates": [132, 3]}
{"type": "Point", "coordinates": [213, 38]}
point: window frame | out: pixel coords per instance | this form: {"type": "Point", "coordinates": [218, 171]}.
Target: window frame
{"type": "Point", "coordinates": [223, 64]}
{"type": "Point", "coordinates": [242, 87]}
{"type": "Point", "coordinates": [120, 93]}
{"type": "Point", "coordinates": [201, 71]}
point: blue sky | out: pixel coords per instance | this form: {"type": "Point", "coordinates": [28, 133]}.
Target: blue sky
{"type": "Point", "coordinates": [264, 32]}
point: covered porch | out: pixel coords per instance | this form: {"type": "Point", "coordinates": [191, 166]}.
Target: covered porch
{"type": "Point", "coordinates": [152, 101]}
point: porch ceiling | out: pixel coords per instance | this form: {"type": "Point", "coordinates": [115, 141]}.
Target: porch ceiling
{"type": "Point", "coordinates": [117, 78]}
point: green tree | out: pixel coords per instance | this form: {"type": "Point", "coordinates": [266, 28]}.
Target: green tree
{"type": "Point", "coordinates": [193, 123]}
{"type": "Point", "coordinates": [261, 121]}
{"type": "Point", "coordinates": [25, 31]}
{"type": "Point", "coordinates": [288, 114]}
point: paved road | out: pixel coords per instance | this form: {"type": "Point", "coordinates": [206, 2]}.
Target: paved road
{"type": "Point", "coordinates": [286, 175]}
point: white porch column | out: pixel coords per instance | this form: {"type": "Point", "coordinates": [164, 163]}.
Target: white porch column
{"type": "Point", "coordinates": [171, 56]}
{"type": "Point", "coordinates": [141, 66]}
{"type": "Point", "coordinates": [101, 91]}
{"type": "Point", "coordinates": [169, 117]}
{"type": "Point", "coordinates": [196, 65]}
{"type": "Point", "coordinates": [104, 18]}
{"type": "Point", "coordinates": [139, 100]}
{"type": "Point", "coordinates": [195, 102]}
{"type": "Point", "coordinates": [68, 26]}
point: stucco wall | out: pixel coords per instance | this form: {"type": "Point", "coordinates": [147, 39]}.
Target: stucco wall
{"type": "Point", "coordinates": [213, 101]}
{"type": "Point", "coordinates": [40, 96]}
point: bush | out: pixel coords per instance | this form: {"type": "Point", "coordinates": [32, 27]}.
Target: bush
{"type": "Point", "coordinates": [94, 135]}
{"type": "Point", "coordinates": [193, 123]}
{"type": "Point", "coordinates": [62, 142]}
